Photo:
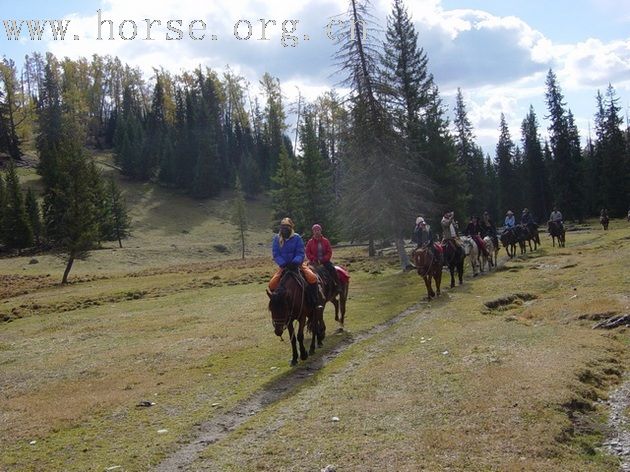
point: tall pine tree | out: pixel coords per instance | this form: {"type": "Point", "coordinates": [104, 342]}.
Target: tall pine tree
{"type": "Point", "coordinates": [286, 194]}
{"type": "Point", "coordinates": [469, 156]}
{"type": "Point", "coordinates": [18, 233]}
{"type": "Point", "coordinates": [406, 82]}
{"type": "Point", "coordinates": [317, 198]}
{"type": "Point", "coordinates": [537, 192]}
{"type": "Point", "coordinates": [506, 174]}
{"type": "Point", "coordinates": [70, 216]}
{"type": "Point", "coordinates": [49, 118]}
{"type": "Point", "coordinates": [612, 156]}
{"type": "Point", "coordinates": [11, 109]}
{"type": "Point", "coordinates": [382, 180]}
{"type": "Point", "coordinates": [34, 216]}
{"type": "Point", "coordinates": [566, 178]}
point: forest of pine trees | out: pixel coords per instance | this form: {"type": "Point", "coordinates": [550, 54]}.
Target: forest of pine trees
{"type": "Point", "coordinates": [364, 165]}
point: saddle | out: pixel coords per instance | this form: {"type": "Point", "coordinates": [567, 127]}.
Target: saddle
{"type": "Point", "coordinates": [296, 274]}
{"type": "Point", "coordinates": [455, 245]}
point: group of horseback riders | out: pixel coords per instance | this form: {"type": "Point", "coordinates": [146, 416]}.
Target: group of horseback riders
{"type": "Point", "coordinates": [477, 229]}
{"type": "Point", "coordinates": [289, 253]}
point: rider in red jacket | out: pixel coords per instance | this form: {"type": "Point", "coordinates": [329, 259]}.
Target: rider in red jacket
{"type": "Point", "coordinates": [319, 252]}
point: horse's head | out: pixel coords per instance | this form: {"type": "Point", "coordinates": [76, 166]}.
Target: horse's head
{"type": "Point", "coordinates": [489, 243]}
{"type": "Point", "coordinates": [279, 307]}
{"type": "Point", "coordinates": [421, 258]}
{"type": "Point", "coordinates": [468, 244]}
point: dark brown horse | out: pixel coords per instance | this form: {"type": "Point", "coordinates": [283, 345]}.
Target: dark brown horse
{"type": "Point", "coordinates": [604, 220]}
{"type": "Point", "coordinates": [337, 294]}
{"type": "Point", "coordinates": [556, 230]}
{"type": "Point", "coordinates": [530, 231]}
{"type": "Point", "coordinates": [454, 256]}
{"type": "Point", "coordinates": [429, 263]}
{"type": "Point", "coordinates": [509, 239]}
{"type": "Point", "coordinates": [519, 234]}
{"type": "Point", "coordinates": [288, 304]}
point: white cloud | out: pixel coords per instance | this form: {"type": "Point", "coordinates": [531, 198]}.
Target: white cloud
{"type": "Point", "coordinates": [254, 55]}
{"type": "Point", "coordinates": [593, 63]}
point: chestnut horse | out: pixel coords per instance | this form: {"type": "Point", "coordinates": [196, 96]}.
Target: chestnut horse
{"type": "Point", "coordinates": [429, 264]}
{"type": "Point", "coordinates": [287, 304]}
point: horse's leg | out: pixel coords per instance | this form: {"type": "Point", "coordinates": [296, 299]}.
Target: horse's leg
{"type": "Point", "coordinates": [321, 331]}
{"type": "Point", "coordinates": [437, 275]}
{"type": "Point", "coordinates": [293, 343]}
{"type": "Point", "coordinates": [460, 271]}
{"type": "Point", "coordinates": [343, 296]}
{"type": "Point", "coordinates": [427, 283]}
{"type": "Point", "coordinates": [300, 338]}
{"type": "Point", "coordinates": [451, 268]}
{"type": "Point", "coordinates": [315, 332]}
{"type": "Point", "coordinates": [335, 303]}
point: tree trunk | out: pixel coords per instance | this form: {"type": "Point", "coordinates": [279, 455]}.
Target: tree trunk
{"type": "Point", "coordinates": [371, 249]}
{"type": "Point", "coordinates": [119, 238]}
{"type": "Point", "coordinates": [405, 264]}
{"type": "Point", "coordinates": [68, 267]}
{"type": "Point", "coordinates": [242, 244]}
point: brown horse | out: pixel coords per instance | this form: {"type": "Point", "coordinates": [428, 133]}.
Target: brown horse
{"type": "Point", "coordinates": [454, 257]}
{"type": "Point", "coordinates": [337, 294]}
{"type": "Point", "coordinates": [287, 304]}
{"type": "Point", "coordinates": [604, 220]}
{"type": "Point", "coordinates": [556, 230]}
{"type": "Point", "coordinates": [429, 262]}
{"type": "Point", "coordinates": [530, 232]}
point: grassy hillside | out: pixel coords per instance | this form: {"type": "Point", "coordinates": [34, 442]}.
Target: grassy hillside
{"type": "Point", "coordinates": [168, 228]}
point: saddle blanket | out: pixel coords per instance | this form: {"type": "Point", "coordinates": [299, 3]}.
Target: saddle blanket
{"type": "Point", "coordinates": [343, 274]}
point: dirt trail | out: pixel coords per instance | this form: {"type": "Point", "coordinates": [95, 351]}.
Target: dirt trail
{"type": "Point", "coordinates": [619, 422]}
{"type": "Point", "coordinates": [218, 428]}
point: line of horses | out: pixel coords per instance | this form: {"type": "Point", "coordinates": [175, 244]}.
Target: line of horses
{"type": "Point", "coordinates": [287, 303]}
{"type": "Point", "coordinates": [430, 259]}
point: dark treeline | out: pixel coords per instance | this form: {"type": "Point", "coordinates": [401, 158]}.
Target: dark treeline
{"type": "Point", "coordinates": [364, 166]}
